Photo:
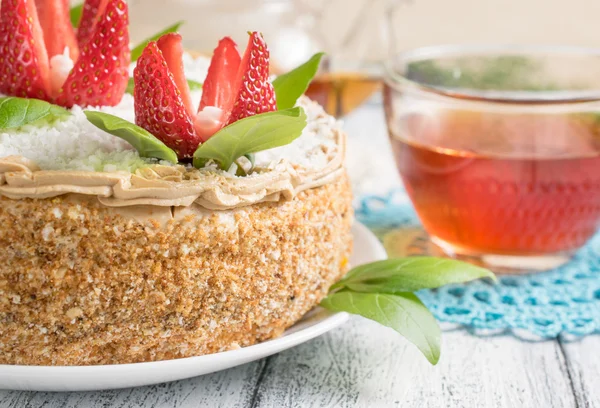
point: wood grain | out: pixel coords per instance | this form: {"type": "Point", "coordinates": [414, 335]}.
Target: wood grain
{"type": "Point", "coordinates": [363, 364]}
{"type": "Point", "coordinates": [583, 363]}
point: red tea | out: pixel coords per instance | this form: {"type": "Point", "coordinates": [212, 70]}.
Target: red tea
{"type": "Point", "coordinates": [497, 183]}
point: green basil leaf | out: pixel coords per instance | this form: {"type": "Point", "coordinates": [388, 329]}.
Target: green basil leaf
{"type": "Point", "coordinates": [136, 52]}
{"type": "Point", "coordinates": [130, 86]}
{"type": "Point", "coordinates": [403, 312]}
{"type": "Point", "coordinates": [410, 275]}
{"type": "Point", "coordinates": [290, 86]}
{"type": "Point", "coordinates": [194, 85]}
{"type": "Point", "coordinates": [250, 135]}
{"type": "Point", "coordinates": [143, 141]}
{"type": "Point", "coordinates": [75, 14]}
{"type": "Point", "coordinates": [16, 112]}
{"type": "Point", "coordinates": [252, 159]}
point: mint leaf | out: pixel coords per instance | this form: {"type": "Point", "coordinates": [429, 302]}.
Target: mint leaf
{"type": "Point", "coordinates": [290, 86]}
{"type": "Point", "coordinates": [136, 52]}
{"type": "Point", "coordinates": [75, 14]}
{"type": "Point", "coordinates": [16, 112]}
{"type": "Point", "coordinates": [403, 312]}
{"type": "Point", "coordinates": [194, 85]}
{"type": "Point", "coordinates": [250, 135]}
{"type": "Point", "coordinates": [410, 275]}
{"type": "Point", "coordinates": [143, 141]}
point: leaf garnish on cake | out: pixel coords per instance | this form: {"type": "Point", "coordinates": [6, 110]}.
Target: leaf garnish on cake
{"type": "Point", "coordinates": [17, 112]}
{"type": "Point", "coordinates": [143, 141]}
{"type": "Point", "coordinates": [253, 134]}
{"type": "Point", "coordinates": [383, 292]}
{"type": "Point", "coordinates": [292, 85]}
{"type": "Point", "coordinates": [42, 57]}
{"type": "Point", "coordinates": [75, 14]}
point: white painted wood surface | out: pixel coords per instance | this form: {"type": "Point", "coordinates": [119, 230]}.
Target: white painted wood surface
{"type": "Point", "coordinates": [364, 365]}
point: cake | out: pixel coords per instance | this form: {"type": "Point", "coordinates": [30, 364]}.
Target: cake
{"type": "Point", "coordinates": [111, 255]}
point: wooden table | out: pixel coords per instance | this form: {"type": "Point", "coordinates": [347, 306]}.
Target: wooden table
{"type": "Point", "coordinates": [362, 364]}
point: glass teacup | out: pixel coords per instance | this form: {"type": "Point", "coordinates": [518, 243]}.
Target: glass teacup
{"type": "Point", "coordinates": [499, 149]}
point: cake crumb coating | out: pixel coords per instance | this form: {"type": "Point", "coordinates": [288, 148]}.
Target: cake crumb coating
{"type": "Point", "coordinates": [81, 284]}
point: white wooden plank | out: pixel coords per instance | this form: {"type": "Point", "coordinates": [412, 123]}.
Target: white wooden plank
{"type": "Point", "coordinates": [365, 365]}
{"type": "Point", "coordinates": [231, 388]}
{"type": "Point", "coordinates": [583, 363]}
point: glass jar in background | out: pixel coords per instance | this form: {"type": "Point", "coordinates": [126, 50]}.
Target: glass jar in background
{"type": "Point", "coordinates": [353, 33]}
{"type": "Point", "coordinates": [499, 149]}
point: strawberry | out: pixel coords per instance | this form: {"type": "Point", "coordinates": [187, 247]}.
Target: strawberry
{"type": "Point", "coordinates": [218, 86]}
{"type": "Point", "coordinates": [24, 68]}
{"type": "Point", "coordinates": [57, 28]}
{"type": "Point", "coordinates": [172, 51]}
{"type": "Point", "coordinates": [255, 94]}
{"type": "Point", "coordinates": [101, 74]}
{"type": "Point", "coordinates": [159, 106]}
{"type": "Point", "coordinates": [234, 88]}
{"type": "Point", "coordinates": [90, 15]}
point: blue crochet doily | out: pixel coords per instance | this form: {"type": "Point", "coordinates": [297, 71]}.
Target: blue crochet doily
{"type": "Point", "coordinates": [565, 301]}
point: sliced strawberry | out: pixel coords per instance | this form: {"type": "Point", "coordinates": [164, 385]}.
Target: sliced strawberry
{"type": "Point", "coordinates": [159, 107]}
{"type": "Point", "coordinates": [57, 28]}
{"type": "Point", "coordinates": [217, 89]}
{"type": "Point", "coordinates": [90, 15]}
{"type": "Point", "coordinates": [24, 69]}
{"type": "Point", "coordinates": [255, 93]}
{"type": "Point", "coordinates": [101, 74]}
{"type": "Point", "coordinates": [172, 51]}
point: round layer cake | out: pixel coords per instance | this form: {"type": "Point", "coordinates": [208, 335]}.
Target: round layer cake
{"type": "Point", "coordinates": [110, 258]}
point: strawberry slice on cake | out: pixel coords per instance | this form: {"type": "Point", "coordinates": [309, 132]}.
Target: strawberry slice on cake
{"type": "Point", "coordinates": [41, 57]}
{"type": "Point", "coordinates": [235, 87]}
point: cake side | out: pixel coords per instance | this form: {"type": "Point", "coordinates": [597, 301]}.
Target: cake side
{"type": "Point", "coordinates": [83, 284]}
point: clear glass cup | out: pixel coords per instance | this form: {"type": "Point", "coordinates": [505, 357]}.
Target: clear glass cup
{"type": "Point", "coordinates": [499, 150]}
{"type": "Point", "coordinates": [354, 34]}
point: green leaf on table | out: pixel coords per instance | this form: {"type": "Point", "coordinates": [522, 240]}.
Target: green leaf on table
{"type": "Point", "coordinates": [410, 275]}
{"type": "Point", "coordinates": [143, 141]}
{"type": "Point", "coordinates": [136, 52]}
{"type": "Point", "coordinates": [75, 14]}
{"type": "Point", "coordinates": [290, 86]}
{"type": "Point", "coordinates": [16, 112]}
{"type": "Point", "coordinates": [194, 85]}
{"type": "Point", "coordinates": [250, 135]}
{"type": "Point", "coordinates": [403, 312]}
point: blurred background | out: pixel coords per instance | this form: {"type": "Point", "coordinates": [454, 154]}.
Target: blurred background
{"type": "Point", "coordinates": [358, 35]}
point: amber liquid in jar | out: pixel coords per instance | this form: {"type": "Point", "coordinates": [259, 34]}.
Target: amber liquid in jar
{"type": "Point", "coordinates": [342, 92]}
{"type": "Point", "coordinates": [509, 184]}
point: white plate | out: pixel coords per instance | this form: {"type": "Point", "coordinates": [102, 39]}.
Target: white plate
{"type": "Point", "coordinates": [86, 378]}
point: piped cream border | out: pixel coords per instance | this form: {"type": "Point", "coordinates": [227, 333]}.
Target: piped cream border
{"type": "Point", "coordinates": [168, 186]}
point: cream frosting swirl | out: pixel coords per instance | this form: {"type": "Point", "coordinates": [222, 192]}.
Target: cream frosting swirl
{"type": "Point", "coordinates": [167, 186]}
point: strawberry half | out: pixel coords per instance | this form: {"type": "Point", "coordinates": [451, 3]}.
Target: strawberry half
{"type": "Point", "coordinates": [100, 75]}
{"type": "Point", "coordinates": [172, 50]}
{"type": "Point", "coordinates": [24, 67]}
{"type": "Point", "coordinates": [159, 105]}
{"type": "Point", "coordinates": [217, 89]}
{"type": "Point", "coordinates": [255, 94]}
{"type": "Point", "coordinates": [57, 28]}
{"type": "Point", "coordinates": [90, 15]}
